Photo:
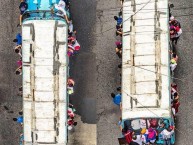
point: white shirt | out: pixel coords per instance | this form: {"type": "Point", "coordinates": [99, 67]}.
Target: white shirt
{"type": "Point", "coordinates": [61, 7]}
{"type": "Point", "coordinates": [166, 134]}
{"type": "Point", "coordinates": [179, 33]}
{"type": "Point", "coordinates": [173, 66]}
{"type": "Point", "coordinates": [138, 140]}
{"type": "Point", "coordinates": [62, 4]}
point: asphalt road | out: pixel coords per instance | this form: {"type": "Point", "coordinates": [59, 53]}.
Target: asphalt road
{"type": "Point", "coordinates": [94, 68]}
{"type": "Point", "coordinates": [9, 82]}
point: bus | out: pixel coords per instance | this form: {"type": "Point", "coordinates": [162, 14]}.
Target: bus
{"type": "Point", "coordinates": [145, 65]}
{"type": "Point", "coordinates": [44, 74]}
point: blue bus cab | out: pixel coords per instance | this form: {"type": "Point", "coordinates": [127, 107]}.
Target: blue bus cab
{"type": "Point", "coordinates": [39, 9]}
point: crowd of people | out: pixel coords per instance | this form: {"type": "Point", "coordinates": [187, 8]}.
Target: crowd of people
{"type": "Point", "coordinates": [148, 131]}
{"type": "Point", "coordinates": [62, 10]}
{"type": "Point", "coordinates": [175, 33]}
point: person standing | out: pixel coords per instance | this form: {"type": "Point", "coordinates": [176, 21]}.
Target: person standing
{"type": "Point", "coordinates": [166, 135]}
{"type": "Point", "coordinates": [116, 99]}
{"type": "Point", "coordinates": [18, 39]}
{"type": "Point", "coordinates": [19, 119]}
{"type": "Point", "coordinates": [22, 7]}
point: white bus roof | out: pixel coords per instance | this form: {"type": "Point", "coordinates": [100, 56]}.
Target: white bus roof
{"type": "Point", "coordinates": [145, 60]}
{"type": "Point", "coordinates": [45, 69]}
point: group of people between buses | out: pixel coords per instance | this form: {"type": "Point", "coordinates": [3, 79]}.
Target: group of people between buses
{"type": "Point", "coordinates": [147, 131]}
{"type": "Point", "coordinates": [62, 8]}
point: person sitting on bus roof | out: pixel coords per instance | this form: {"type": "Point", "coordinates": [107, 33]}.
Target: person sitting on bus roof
{"type": "Point", "coordinates": [18, 39]}
{"type": "Point", "coordinates": [116, 98]}
{"type": "Point", "coordinates": [22, 7]}
{"type": "Point", "coordinates": [19, 119]}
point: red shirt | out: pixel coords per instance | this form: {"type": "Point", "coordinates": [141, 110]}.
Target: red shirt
{"type": "Point", "coordinates": [176, 106]}
{"type": "Point", "coordinates": [128, 137]}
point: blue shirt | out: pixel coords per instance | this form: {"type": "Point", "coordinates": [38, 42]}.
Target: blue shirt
{"type": "Point", "coordinates": [117, 99]}
{"type": "Point", "coordinates": [119, 21]}
{"type": "Point", "coordinates": [19, 38]}
{"type": "Point", "coordinates": [20, 119]}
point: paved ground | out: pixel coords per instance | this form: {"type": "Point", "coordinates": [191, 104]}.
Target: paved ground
{"type": "Point", "coordinates": [95, 70]}
{"type": "Point", "coordinates": [9, 130]}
